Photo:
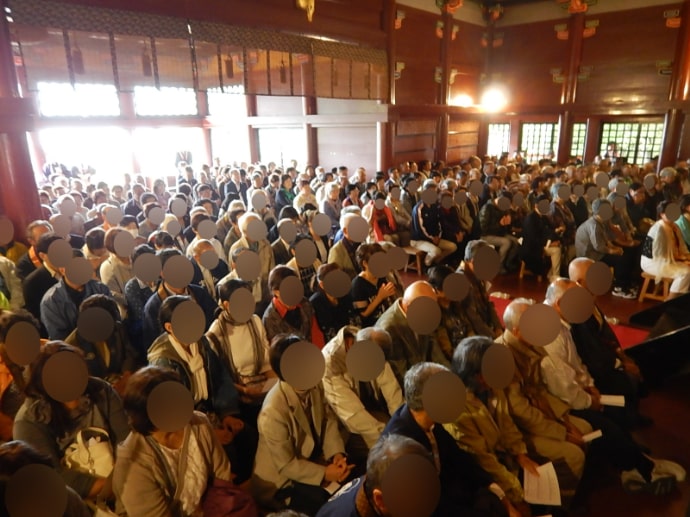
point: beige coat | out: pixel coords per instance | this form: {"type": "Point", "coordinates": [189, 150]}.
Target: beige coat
{"type": "Point", "coordinates": [342, 391]}
{"type": "Point", "coordinates": [286, 442]}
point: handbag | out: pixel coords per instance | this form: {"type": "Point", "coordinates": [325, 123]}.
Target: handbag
{"type": "Point", "coordinates": [93, 456]}
{"type": "Point", "coordinates": [223, 499]}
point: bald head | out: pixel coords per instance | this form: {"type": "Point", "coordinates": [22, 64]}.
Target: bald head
{"type": "Point", "coordinates": [417, 290]}
{"type": "Point", "coordinates": [513, 313]}
{"type": "Point", "coordinates": [577, 270]}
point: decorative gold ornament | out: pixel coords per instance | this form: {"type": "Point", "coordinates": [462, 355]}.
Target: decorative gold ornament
{"type": "Point", "coordinates": [309, 6]}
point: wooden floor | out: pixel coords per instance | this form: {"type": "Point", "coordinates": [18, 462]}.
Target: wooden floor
{"type": "Point", "coordinates": [669, 437]}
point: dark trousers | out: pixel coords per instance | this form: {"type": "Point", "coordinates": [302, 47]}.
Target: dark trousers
{"type": "Point", "coordinates": [616, 444]}
{"type": "Point", "coordinates": [622, 267]}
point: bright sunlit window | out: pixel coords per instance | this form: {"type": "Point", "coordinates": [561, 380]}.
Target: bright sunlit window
{"type": "Point", "coordinates": [232, 104]}
{"type": "Point", "coordinates": [150, 101]}
{"type": "Point", "coordinates": [82, 100]}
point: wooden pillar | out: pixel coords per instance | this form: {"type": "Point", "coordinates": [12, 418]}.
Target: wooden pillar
{"type": "Point", "coordinates": [385, 154]}
{"type": "Point", "coordinates": [309, 108]}
{"type": "Point", "coordinates": [483, 137]}
{"type": "Point", "coordinates": [592, 140]}
{"type": "Point", "coordinates": [389, 15]}
{"type": "Point", "coordinates": [673, 129]}
{"type": "Point", "coordinates": [18, 194]}
{"type": "Point", "coordinates": [565, 137]}
{"type": "Point", "coordinates": [253, 133]}
{"type": "Point", "coordinates": [514, 134]}
{"type": "Point", "coordinates": [679, 92]}
{"type": "Point", "coordinates": [444, 88]}
{"type": "Point", "coordinates": [569, 88]}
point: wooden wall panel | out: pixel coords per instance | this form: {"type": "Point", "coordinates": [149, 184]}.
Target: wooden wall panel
{"type": "Point", "coordinates": [623, 55]}
{"type": "Point", "coordinates": [524, 61]}
{"type": "Point", "coordinates": [415, 139]}
{"type": "Point", "coordinates": [468, 57]}
{"type": "Point", "coordinates": [419, 48]}
{"type": "Point", "coordinates": [463, 140]}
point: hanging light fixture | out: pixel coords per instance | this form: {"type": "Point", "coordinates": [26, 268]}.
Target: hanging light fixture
{"type": "Point", "coordinates": [146, 66]}
{"type": "Point", "coordinates": [229, 67]}
{"type": "Point", "coordinates": [77, 59]}
{"type": "Point", "coordinates": [283, 70]}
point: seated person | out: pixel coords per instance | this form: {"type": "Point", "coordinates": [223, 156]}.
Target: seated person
{"type": "Point", "coordinates": [371, 295]}
{"type": "Point", "coordinates": [210, 383]}
{"type": "Point", "coordinates": [540, 242]}
{"type": "Point", "coordinates": [599, 348]}
{"type": "Point", "coordinates": [364, 497]}
{"type": "Point", "coordinates": [51, 427]}
{"type": "Point", "coordinates": [362, 407]}
{"type": "Point", "coordinates": [300, 449]}
{"type": "Point", "coordinates": [545, 421]}
{"type": "Point", "coordinates": [114, 359]}
{"type": "Point", "coordinates": [280, 318]}
{"type": "Point", "coordinates": [151, 327]}
{"type": "Point", "coordinates": [243, 348]}
{"type": "Point", "coordinates": [592, 241]}
{"type": "Point", "coordinates": [261, 247]}
{"type": "Point", "coordinates": [427, 234]}
{"type": "Point", "coordinates": [568, 379]}
{"type": "Point", "coordinates": [454, 322]}
{"type": "Point", "coordinates": [343, 251]}
{"type": "Point", "coordinates": [115, 271]}
{"type": "Point", "coordinates": [137, 294]}
{"type": "Point", "coordinates": [496, 227]}
{"type": "Point", "coordinates": [485, 428]}
{"type": "Point", "coordinates": [207, 278]}
{"type": "Point", "coordinates": [43, 278]}
{"type": "Point", "coordinates": [31, 261]}
{"type": "Point", "coordinates": [16, 455]}
{"type": "Point", "coordinates": [306, 274]}
{"type": "Point", "coordinates": [381, 221]}
{"type": "Point", "coordinates": [148, 456]}
{"type": "Point", "coordinates": [11, 295]}
{"type": "Point", "coordinates": [477, 305]}
{"type": "Point", "coordinates": [466, 488]}
{"type": "Point", "coordinates": [665, 255]}
{"type": "Point", "coordinates": [331, 313]}
{"type": "Point", "coordinates": [409, 347]}
{"type": "Point", "coordinates": [60, 304]}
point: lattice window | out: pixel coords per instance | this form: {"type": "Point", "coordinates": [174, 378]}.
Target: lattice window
{"type": "Point", "coordinates": [539, 141]}
{"type": "Point", "coordinates": [638, 142]}
{"type": "Point", "coordinates": [499, 139]}
{"type": "Point", "coordinates": [577, 146]}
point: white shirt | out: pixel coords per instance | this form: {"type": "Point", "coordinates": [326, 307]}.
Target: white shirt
{"type": "Point", "coordinates": [565, 375]}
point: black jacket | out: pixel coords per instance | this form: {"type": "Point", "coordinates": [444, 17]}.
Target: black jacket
{"type": "Point", "coordinates": [464, 484]}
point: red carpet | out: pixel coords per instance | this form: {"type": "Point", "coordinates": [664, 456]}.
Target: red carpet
{"type": "Point", "coordinates": [628, 336]}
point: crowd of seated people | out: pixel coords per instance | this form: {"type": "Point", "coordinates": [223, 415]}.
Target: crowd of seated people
{"type": "Point", "coordinates": [229, 240]}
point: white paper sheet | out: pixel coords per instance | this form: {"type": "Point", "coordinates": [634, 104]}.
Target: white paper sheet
{"type": "Point", "coordinates": [592, 436]}
{"type": "Point", "coordinates": [543, 489]}
{"type": "Point", "coordinates": [613, 400]}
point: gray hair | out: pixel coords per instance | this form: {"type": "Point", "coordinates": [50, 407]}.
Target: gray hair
{"type": "Point", "coordinates": [388, 449]}
{"type": "Point", "coordinates": [513, 312]}
{"type": "Point", "coordinates": [473, 247]}
{"type": "Point", "coordinates": [467, 359]}
{"type": "Point", "coordinates": [415, 380]}
{"type": "Point", "coordinates": [556, 290]}
{"type": "Point", "coordinates": [378, 335]}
